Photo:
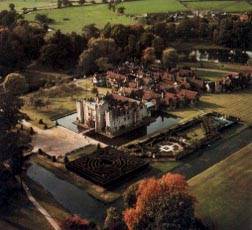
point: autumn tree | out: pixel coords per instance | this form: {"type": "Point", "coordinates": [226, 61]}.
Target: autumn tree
{"type": "Point", "coordinates": [15, 83]}
{"type": "Point", "coordinates": [163, 203]}
{"type": "Point", "coordinates": [149, 56]}
{"type": "Point", "coordinates": [114, 220]}
{"type": "Point", "coordinates": [75, 222]}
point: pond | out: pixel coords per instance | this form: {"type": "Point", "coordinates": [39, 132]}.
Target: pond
{"type": "Point", "coordinates": [219, 55]}
{"type": "Point", "coordinates": [74, 199]}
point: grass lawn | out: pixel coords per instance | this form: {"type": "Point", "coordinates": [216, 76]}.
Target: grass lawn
{"type": "Point", "coordinates": [236, 104]}
{"type": "Point", "coordinates": [223, 192]}
{"type": "Point", "coordinates": [152, 6]}
{"type": "Point", "coordinates": [74, 18]}
{"type": "Point", "coordinates": [21, 214]}
{"type": "Point", "coordinates": [229, 6]}
{"type": "Point", "coordinates": [165, 166]}
{"type": "Point", "coordinates": [57, 102]}
{"type": "Point", "coordinates": [218, 66]}
{"type": "Point", "coordinates": [210, 75]}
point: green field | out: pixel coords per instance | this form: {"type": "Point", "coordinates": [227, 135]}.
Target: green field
{"type": "Point", "coordinates": [229, 6]}
{"type": "Point", "coordinates": [152, 6]}
{"type": "Point", "coordinates": [4, 4]}
{"type": "Point", "coordinates": [223, 192]}
{"type": "Point", "coordinates": [74, 18]}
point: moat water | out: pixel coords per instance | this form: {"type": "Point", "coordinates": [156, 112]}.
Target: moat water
{"type": "Point", "coordinates": [160, 122]}
{"type": "Point", "coordinates": [73, 199]}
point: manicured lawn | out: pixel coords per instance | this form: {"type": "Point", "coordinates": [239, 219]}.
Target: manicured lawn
{"type": "Point", "coordinates": [223, 192]}
{"type": "Point", "coordinates": [165, 166]}
{"type": "Point", "coordinates": [74, 18]}
{"type": "Point", "coordinates": [152, 6]}
{"type": "Point", "coordinates": [229, 6]}
{"type": "Point", "coordinates": [236, 104]}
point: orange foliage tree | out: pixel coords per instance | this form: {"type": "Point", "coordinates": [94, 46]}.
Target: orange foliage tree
{"type": "Point", "coordinates": [75, 222]}
{"type": "Point", "coordinates": [163, 203]}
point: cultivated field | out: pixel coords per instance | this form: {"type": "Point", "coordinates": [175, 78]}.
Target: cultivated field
{"type": "Point", "coordinates": [223, 192]}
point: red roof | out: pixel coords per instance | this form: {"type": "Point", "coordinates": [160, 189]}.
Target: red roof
{"type": "Point", "coordinates": [189, 94]}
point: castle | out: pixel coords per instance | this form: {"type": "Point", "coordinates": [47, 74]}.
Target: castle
{"type": "Point", "coordinates": [112, 115]}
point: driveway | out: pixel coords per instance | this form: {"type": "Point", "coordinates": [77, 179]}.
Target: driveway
{"type": "Point", "coordinates": [58, 141]}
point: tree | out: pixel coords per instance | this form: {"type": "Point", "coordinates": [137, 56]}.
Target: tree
{"type": "Point", "coordinates": [146, 40]}
{"type": "Point", "coordinates": [90, 31]}
{"type": "Point", "coordinates": [163, 203]}
{"type": "Point", "coordinates": [169, 58]}
{"type": "Point", "coordinates": [87, 60]}
{"type": "Point", "coordinates": [81, 2]}
{"type": "Point", "coordinates": [120, 34]}
{"type": "Point", "coordinates": [10, 114]}
{"type": "Point", "coordinates": [15, 83]}
{"type": "Point", "coordinates": [66, 3]}
{"type": "Point", "coordinates": [114, 220]}
{"type": "Point", "coordinates": [62, 50]}
{"type": "Point", "coordinates": [12, 140]}
{"type": "Point", "coordinates": [8, 18]}
{"type": "Point", "coordinates": [103, 64]}
{"type": "Point", "coordinates": [59, 4]}
{"type": "Point", "coordinates": [130, 196]}
{"type": "Point", "coordinates": [104, 47]}
{"type": "Point", "coordinates": [44, 19]}
{"type": "Point", "coordinates": [120, 10]}
{"type": "Point", "coordinates": [102, 52]}
{"type": "Point", "coordinates": [149, 56]}
{"type": "Point", "coordinates": [159, 45]}
{"type": "Point", "coordinates": [12, 7]}
{"type": "Point", "coordinates": [75, 222]}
